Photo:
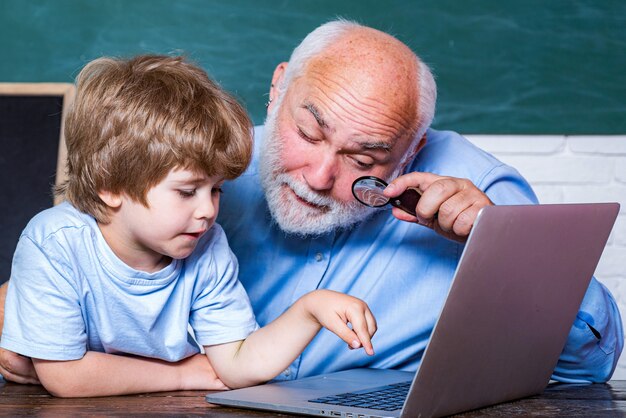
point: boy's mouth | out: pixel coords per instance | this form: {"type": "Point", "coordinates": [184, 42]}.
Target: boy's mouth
{"type": "Point", "coordinates": [194, 235]}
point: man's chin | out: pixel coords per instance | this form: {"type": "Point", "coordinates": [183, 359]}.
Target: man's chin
{"type": "Point", "coordinates": [303, 230]}
{"type": "Point", "coordinates": [300, 219]}
{"type": "Point", "coordinates": [307, 221]}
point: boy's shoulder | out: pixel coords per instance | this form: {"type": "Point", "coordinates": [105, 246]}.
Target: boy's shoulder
{"type": "Point", "coordinates": [61, 218]}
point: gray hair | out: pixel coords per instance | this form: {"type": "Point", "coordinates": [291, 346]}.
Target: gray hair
{"type": "Point", "coordinates": [315, 42]}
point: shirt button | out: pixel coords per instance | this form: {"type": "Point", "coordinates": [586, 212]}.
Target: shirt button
{"type": "Point", "coordinates": [319, 257]}
{"type": "Point", "coordinates": [287, 373]}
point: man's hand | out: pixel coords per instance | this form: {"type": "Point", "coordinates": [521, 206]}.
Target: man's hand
{"type": "Point", "coordinates": [334, 310]}
{"type": "Point", "coordinates": [17, 368]}
{"type": "Point", "coordinates": [448, 205]}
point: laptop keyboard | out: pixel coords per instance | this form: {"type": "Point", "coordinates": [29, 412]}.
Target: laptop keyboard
{"type": "Point", "coordinates": [385, 398]}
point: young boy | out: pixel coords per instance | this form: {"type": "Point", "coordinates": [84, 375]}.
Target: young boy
{"type": "Point", "coordinates": [103, 286]}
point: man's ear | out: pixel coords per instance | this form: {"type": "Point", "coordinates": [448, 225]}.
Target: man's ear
{"type": "Point", "coordinates": [412, 153]}
{"type": "Point", "coordinates": [419, 146]}
{"type": "Point", "coordinates": [112, 200]}
{"type": "Point", "coordinates": [277, 79]}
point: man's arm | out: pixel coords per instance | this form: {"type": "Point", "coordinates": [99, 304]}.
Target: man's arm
{"type": "Point", "coordinates": [595, 341]}
{"type": "Point", "coordinates": [269, 350]}
{"type": "Point", "coordinates": [101, 374]}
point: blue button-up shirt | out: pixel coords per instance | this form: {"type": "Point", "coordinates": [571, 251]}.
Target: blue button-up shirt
{"type": "Point", "coordinates": [402, 270]}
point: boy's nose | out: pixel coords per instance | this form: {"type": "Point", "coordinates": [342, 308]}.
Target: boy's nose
{"type": "Point", "coordinates": [206, 209]}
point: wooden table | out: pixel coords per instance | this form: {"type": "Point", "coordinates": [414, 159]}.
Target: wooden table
{"type": "Point", "coordinates": [558, 400]}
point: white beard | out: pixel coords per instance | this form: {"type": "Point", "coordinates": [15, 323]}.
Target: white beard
{"type": "Point", "coordinates": [292, 215]}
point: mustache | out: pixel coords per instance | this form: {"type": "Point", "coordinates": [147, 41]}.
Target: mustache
{"type": "Point", "coordinates": [305, 193]}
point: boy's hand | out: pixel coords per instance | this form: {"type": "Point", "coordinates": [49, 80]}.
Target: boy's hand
{"type": "Point", "coordinates": [335, 310]}
{"type": "Point", "coordinates": [17, 368]}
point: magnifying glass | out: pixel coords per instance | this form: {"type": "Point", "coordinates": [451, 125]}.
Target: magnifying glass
{"type": "Point", "coordinates": [368, 190]}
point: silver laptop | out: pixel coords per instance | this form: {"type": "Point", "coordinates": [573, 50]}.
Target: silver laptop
{"type": "Point", "coordinates": [514, 297]}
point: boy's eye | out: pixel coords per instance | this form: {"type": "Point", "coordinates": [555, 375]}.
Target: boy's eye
{"type": "Point", "coordinates": [187, 192]}
{"type": "Point", "coordinates": [217, 190]}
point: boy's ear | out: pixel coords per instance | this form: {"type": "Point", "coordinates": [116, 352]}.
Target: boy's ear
{"type": "Point", "coordinates": [112, 200]}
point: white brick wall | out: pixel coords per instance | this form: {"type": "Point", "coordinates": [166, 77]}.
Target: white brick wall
{"type": "Point", "coordinates": [572, 169]}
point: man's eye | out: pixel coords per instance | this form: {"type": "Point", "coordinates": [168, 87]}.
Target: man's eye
{"type": "Point", "coordinates": [187, 192]}
{"type": "Point", "coordinates": [305, 136]}
{"type": "Point", "coordinates": [363, 165]}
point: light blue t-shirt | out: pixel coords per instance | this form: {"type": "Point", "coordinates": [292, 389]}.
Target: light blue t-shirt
{"type": "Point", "coordinates": [402, 270]}
{"type": "Point", "coordinates": [69, 293]}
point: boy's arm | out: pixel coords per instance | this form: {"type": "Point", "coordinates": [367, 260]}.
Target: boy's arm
{"type": "Point", "coordinates": [269, 350]}
{"type": "Point", "coordinates": [17, 368]}
{"type": "Point", "coordinates": [14, 367]}
{"type": "Point", "coordinates": [101, 374]}
{"type": "Point", "coordinates": [3, 297]}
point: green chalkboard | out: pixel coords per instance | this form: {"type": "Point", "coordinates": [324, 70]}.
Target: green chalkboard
{"type": "Point", "coordinates": [509, 66]}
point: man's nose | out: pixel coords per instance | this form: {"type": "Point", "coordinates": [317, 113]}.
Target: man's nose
{"type": "Point", "coordinates": [321, 172]}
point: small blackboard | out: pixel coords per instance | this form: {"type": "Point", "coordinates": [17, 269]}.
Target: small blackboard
{"type": "Point", "coordinates": [32, 156]}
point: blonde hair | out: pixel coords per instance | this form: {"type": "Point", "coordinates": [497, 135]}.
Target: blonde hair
{"type": "Point", "coordinates": [135, 120]}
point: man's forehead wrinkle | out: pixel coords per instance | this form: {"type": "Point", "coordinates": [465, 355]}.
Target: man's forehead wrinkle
{"type": "Point", "coordinates": [380, 64]}
{"type": "Point", "coordinates": [370, 102]}
{"type": "Point", "coordinates": [335, 87]}
{"type": "Point", "coordinates": [369, 130]}
{"type": "Point", "coordinates": [368, 109]}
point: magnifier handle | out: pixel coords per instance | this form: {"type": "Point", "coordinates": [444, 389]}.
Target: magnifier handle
{"type": "Point", "coordinates": [407, 201]}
